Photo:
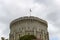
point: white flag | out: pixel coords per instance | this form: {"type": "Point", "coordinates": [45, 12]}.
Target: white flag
{"type": "Point", "coordinates": [30, 10]}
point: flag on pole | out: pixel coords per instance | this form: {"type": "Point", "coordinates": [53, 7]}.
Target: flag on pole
{"type": "Point", "coordinates": [30, 10]}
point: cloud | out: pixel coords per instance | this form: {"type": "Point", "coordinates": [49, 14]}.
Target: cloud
{"type": "Point", "coordinates": [52, 16]}
{"type": "Point", "coordinates": [45, 2]}
{"type": "Point", "coordinates": [4, 30]}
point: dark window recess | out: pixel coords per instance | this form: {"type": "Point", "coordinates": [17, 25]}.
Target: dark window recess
{"type": "Point", "coordinates": [22, 28]}
{"type": "Point", "coordinates": [28, 33]}
{"type": "Point", "coordinates": [28, 27]}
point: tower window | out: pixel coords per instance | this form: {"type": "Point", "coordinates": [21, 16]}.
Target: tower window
{"type": "Point", "coordinates": [22, 28]}
{"type": "Point", "coordinates": [28, 27]}
{"type": "Point", "coordinates": [28, 33]}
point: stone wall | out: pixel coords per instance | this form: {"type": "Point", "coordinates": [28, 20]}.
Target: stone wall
{"type": "Point", "coordinates": [28, 26]}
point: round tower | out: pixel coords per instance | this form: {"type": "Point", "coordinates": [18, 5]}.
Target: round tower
{"type": "Point", "coordinates": [28, 26]}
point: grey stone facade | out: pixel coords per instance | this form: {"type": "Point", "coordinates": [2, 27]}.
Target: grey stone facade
{"type": "Point", "coordinates": [28, 26]}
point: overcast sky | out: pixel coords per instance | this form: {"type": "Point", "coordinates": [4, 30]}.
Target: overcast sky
{"type": "Point", "coordinates": [48, 10]}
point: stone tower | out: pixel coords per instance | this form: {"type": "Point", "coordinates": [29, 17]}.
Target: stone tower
{"type": "Point", "coordinates": [28, 25]}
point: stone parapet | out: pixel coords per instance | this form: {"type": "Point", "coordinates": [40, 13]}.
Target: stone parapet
{"type": "Point", "coordinates": [30, 18]}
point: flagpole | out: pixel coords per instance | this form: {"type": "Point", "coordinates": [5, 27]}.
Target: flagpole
{"type": "Point", "coordinates": [30, 12]}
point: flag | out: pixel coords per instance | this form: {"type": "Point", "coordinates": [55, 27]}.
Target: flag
{"type": "Point", "coordinates": [30, 10]}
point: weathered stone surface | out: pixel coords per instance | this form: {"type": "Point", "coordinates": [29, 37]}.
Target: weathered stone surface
{"type": "Point", "coordinates": [28, 26]}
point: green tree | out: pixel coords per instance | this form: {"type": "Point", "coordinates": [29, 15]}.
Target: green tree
{"type": "Point", "coordinates": [27, 37]}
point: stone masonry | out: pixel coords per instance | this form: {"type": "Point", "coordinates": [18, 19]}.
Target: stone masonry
{"type": "Point", "coordinates": [28, 25]}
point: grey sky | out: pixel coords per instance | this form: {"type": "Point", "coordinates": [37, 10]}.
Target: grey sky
{"type": "Point", "coordinates": [48, 10]}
